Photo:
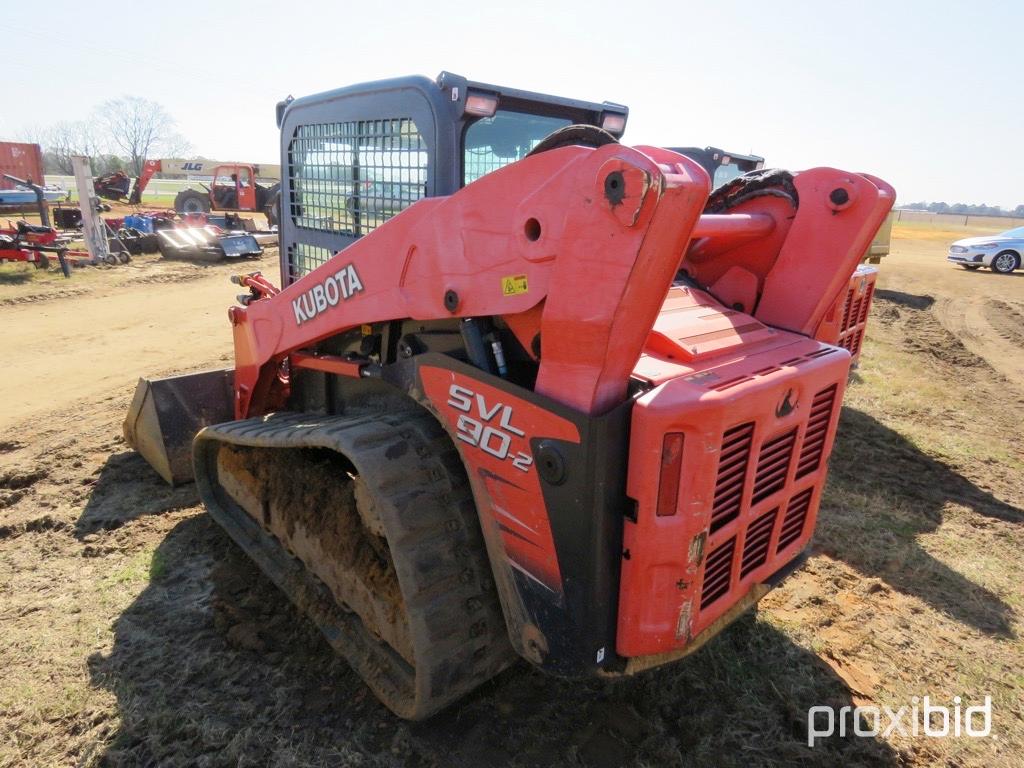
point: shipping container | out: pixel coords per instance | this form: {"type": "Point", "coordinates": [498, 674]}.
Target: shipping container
{"type": "Point", "coordinates": [22, 160]}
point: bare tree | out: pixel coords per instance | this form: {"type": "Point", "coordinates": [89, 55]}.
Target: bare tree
{"type": "Point", "coordinates": [62, 140]}
{"type": "Point", "coordinates": [177, 146]}
{"type": "Point", "coordinates": [66, 139]}
{"type": "Point", "coordinates": [139, 128]}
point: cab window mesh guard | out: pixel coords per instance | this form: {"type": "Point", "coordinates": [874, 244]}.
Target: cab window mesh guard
{"type": "Point", "coordinates": [303, 259]}
{"type": "Point", "coordinates": [348, 178]}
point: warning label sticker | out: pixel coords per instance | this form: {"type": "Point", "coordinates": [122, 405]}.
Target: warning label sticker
{"type": "Point", "coordinates": [513, 285]}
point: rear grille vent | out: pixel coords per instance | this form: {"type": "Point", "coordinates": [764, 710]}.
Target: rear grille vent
{"type": "Point", "coordinates": [820, 353]}
{"type": "Point", "coordinates": [773, 465]}
{"type": "Point", "coordinates": [732, 474]}
{"type": "Point", "coordinates": [717, 573]}
{"type": "Point", "coordinates": [865, 303]}
{"type": "Point", "coordinates": [853, 310]}
{"type": "Point", "coordinates": [817, 430]}
{"type": "Point", "coordinates": [852, 341]}
{"type": "Point", "coordinates": [796, 516]}
{"type": "Point", "coordinates": [712, 382]}
{"type": "Point", "coordinates": [846, 310]}
{"type": "Point", "coordinates": [730, 383]}
{"type": "Point", "coordinates": [755, 546]}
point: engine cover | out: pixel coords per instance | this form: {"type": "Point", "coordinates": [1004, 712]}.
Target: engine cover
{"type": "Point", "coordinates": [728, 457]}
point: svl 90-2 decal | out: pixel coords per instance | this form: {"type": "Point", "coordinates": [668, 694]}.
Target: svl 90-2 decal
{"type": "Point", "coordinates": [487, 427]}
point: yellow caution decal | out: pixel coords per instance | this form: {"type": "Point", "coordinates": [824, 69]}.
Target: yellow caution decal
{"type": "Point", "coordinates": [513, 285]}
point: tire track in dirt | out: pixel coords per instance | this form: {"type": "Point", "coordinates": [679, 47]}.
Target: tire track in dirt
{"type": "Point", "coordinates": [143, 270]}
{"type": "Point", "coordinates": [1007, 320]}
{"type": "Point", "coordinates": [173, 274]}
{"type": "Point", "coordinates": [93, 347]}
{"type": "Point", "coordinates": [989, 328]}
{"type": "Point", "coordinates": [923, 332]}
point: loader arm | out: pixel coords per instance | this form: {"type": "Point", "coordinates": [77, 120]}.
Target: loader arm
{"type": "Point", "coordinates": [591, 236]}
{"type": "Point", "coordinates": [589, 240]}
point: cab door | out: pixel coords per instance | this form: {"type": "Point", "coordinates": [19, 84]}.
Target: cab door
{"type": "Point", "coordinates": [224, 190]}
{"type": "Point", "coordinates": [245, 188]}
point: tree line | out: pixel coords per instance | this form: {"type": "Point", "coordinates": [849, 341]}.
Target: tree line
{"type": "Point", "coordinates": [118, 135]}
{"type": "Point", "coordinates": [965, 209]}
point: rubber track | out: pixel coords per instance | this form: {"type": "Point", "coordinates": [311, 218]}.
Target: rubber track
{"type": "Point", "coordinates": [426, 506]}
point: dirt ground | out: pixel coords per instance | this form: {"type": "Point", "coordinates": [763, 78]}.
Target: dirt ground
{"type": "Point", "coordinates": [135, 633]}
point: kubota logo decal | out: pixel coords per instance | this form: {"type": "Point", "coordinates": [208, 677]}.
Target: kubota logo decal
{"type": "Point", "coordinates": [479, 429]}
{"type": "Point", "coordinates": [341, 286]}
{"type": "Point", "coordinates": [786, 407]}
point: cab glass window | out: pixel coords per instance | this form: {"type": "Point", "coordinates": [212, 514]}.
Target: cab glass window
{"type": "Point", "coordinates": [493, 142]}
{"type": "Point", "coordinates": [725, 174]}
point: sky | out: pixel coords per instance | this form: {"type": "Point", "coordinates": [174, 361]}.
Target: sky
{"type": "Point", "coordinates": [927, 95]}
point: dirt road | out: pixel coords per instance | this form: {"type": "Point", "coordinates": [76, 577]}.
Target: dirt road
{"type": "Point", "coordinates": [982, 309]}
{"type": "Point", "coordinates": [153, 317]}
{"type": "Point", "coordinates": [135, 633]}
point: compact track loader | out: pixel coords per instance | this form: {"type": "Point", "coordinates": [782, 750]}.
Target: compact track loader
{"type": "Point", "coordinates": [523, 390]}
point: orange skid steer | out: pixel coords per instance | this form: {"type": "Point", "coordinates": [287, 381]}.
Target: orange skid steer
{"type": "Point", "coordinates": [536, 395]}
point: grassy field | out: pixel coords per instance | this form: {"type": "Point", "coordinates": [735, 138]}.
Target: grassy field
{"type": "Point", "coordinates": [943, 233]}
{"type": "Point", "coordinates": [919, 543]}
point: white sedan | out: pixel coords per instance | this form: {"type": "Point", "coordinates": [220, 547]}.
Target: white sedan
{"type": "Point", "coordinates": [1001, 253]}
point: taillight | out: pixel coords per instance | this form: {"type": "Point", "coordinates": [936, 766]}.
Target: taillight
{"type": "Point", "coordinates": [671, 467]}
